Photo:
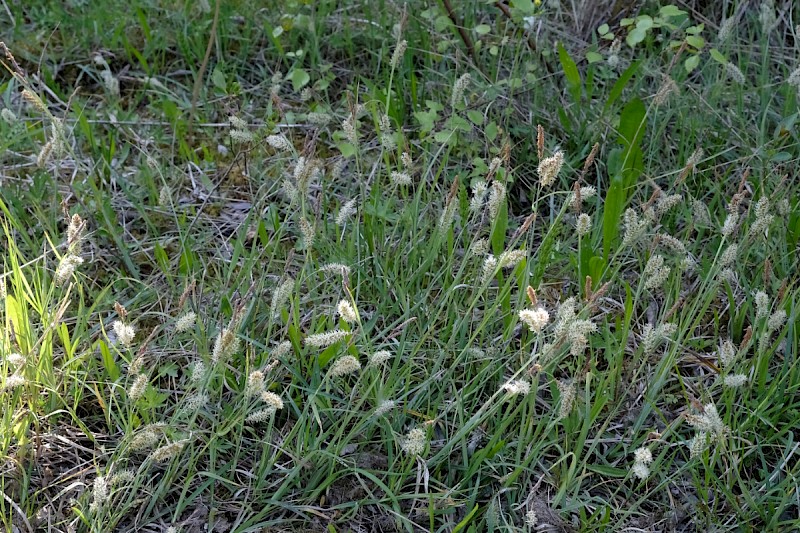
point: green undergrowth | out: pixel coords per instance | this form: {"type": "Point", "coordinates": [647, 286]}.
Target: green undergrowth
{"type": "Point", "coordinates": [374, 273]}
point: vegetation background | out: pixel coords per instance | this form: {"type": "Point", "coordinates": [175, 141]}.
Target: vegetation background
{"type": "Point", "coordinates": [382, 266]}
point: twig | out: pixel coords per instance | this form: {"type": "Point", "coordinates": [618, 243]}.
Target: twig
{"type": "Point", "coordinates": [462, 31]}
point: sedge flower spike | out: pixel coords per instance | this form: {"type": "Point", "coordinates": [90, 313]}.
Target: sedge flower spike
{"type": "Point", "coordinates": [549, 168]}
{"type": "Point", "coordinates": [535, 319]}
{"type": "Point", "coordinates": [346, 310]}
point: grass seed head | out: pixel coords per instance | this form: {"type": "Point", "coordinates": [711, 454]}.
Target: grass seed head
{"type": "Point", "coordinates": [549, 168]}
{"type": "Point", "coordinates": [346, 310]}
{"type": "Point", "coordinates": [414, 442]}
{"type": "Point", "coordinates": [379, 357]}
{"type": "Point", "coordinates": [125, 333]}
{"type": "Point", "coordinates": [583, 224]}
{"type": "Point", "coordinates": [323, 340]}
{"type": "Point", "coordinates": [535, 319]}
{"type": "Point", "coordinates": [347, 364]}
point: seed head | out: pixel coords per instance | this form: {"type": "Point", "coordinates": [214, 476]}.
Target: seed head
{"type": "Point", "coordinates": [400, 178]}
{"type": "Point", "coordinates": [634, 228]}
{"type": "Point", "coordinates": [794, 78]}
{"type": "Point", "coordinates": [734, 73]}
{"type": "Point", "coordinates": [75, 231]}
{"type": "Point", "coordinates": [726, 28]}
{"type": "Point", "coordinates": [16, 360]}
{"type": "Point", "coordinates": [531, 519]}
{"type": "Point", "coordinates": [168, 451]}
{"type": "Point", "coordinates": [255, 383]}
{"type": "Point", "coordinates": [479, 190]}
{"type": "Point", "coordinates": [730, 224]}
{"type": "Point", "coordinates": [195, 402]}
{"type": "Point", "coordinates": [668, 87]}
{"type": "Point", "coordinates": [652, 337]}
{"type": "Point", "coordinates": [567, 390]}
{"type": "Point", "coordinates": [776, 321]}
{"type": "Point", "coordinates": [735, 380]}
{"type": "Point", "coordinates": [458, 89]}
{"type": "Point", "coordinates": [282, 350]}
{"type": "Point", "coordinates": [346, 211]}
{"type": "Point", "coordinates": [511, 258]}
{"type": "Point", "coordinates": [666, 202]}
{"type": "Point", "coordinates": [280, 297]}
{"type": "Point", "coordinates": [643, 455]}
{"type": "Point", "coordinates": [655, 272]}
{"type": "Point", "coordinates": [100, 492]}
{"type": "Point", "coordinates": [729, 255]}
{"type": "Point", "coordinates": [549, 168]}
{"type": "Point", "coordinates": [535, 319]}
{"type": "Point", "coordinates": [399, 50]}
{"type": "Point", "coordinates": [347, 364]}
{"type": "Point", "coordinates": [124, 332]}
{"type": "Point", "coordinates": [197, 372]}
{"type": "Point", "coordinates": [414, 442]}
{"type": "Point", "coordinates": [384, 407]}
{"type": "Point", "coordinates": [346, 310]}
{"type": "Point", "coordinates": [349, 127]}
{"type": "Point", "coordinates": [496, 198]}
{"type": "Point", "coordinates": [225, 345]}
{"type": "Point", "coordinates": [516, 386]}
{"type": "Point", "coordinates": [583, 225]}
{"type": "Point", "coordinates": [489, 269]}
{"type": "Point", "coordinates": [185, 322]}
{"type": "Point", "coordinates": [13, 381]}
{"type": "Point", "coordinates": [272, 400]}
{"type": "Point", "coordinates": [700, 214]}
{"type": "Point", "coordinates": [726, 353]}
{"type": "Point", "coordinates": [308, 232]}
{"type": "Point", "coordinates": [146, 438]}
{"type": "Point", "coordinates": [640, 470]}
{"type": "Point", "coordinates": [280, 143]}
{"type": "Point", "coordinates": [763, 305]}
{"type": "Point", "coordinates": [763, 217]}
{"type": "Point", "coordinates": [323, 340]}
{"type": "Point", "coordinates": [8, 116]}
{"type": "Point", "coordinates": [137, 388]}
{"type": "Point", "coordinates": [66, 268]}
{"type": "Point", "coordinates": [380, 357]}
{"type": "Point", "coordinates": [318, 119]}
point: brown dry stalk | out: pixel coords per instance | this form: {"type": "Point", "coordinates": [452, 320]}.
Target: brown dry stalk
{"type": "Point", "coordinates": [462, 31]}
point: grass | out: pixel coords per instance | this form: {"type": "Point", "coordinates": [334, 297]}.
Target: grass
{"type": "Point", "coordinates": [270, 202]}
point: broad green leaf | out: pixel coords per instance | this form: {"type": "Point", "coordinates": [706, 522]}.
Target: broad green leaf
{"type": "Point", "coordinates": [570, 73]}
{"type": "Point", "coordinates": [717, 56]}
{"type": "Point", "coordinates": [696, 41]}
{"type": "Point", "coordinates": [612, 212]}
{"type": "Point", "coordinates": [475, 116]}
{"type": "Point", "coordinates": [691, 63]}
{"type": "Point", "coordinates": [300, 79]}
{"type": "Point", "coordinates": [593, 57]}
{"type": "Point", "coordinates": [631, 123]}
{"type": "Point", "coordinates": [482, 29]}
{"type": "Point", "coordinates": [108, 361]}
{"type": "Point", "coordinates": [644, 23]}
{"type": "Point", "coordinates": [671, 11]}
{"type": "Point", "coordinates": [525, 6]}
{"type": "Point", "coordinates": [218, 79]}
{"type": "Point", "coordinates": [616, 90]}
{"type": "Point", "coordinates": [636, 36]}
{"type": "Point", "coordinates": [491, 131]}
